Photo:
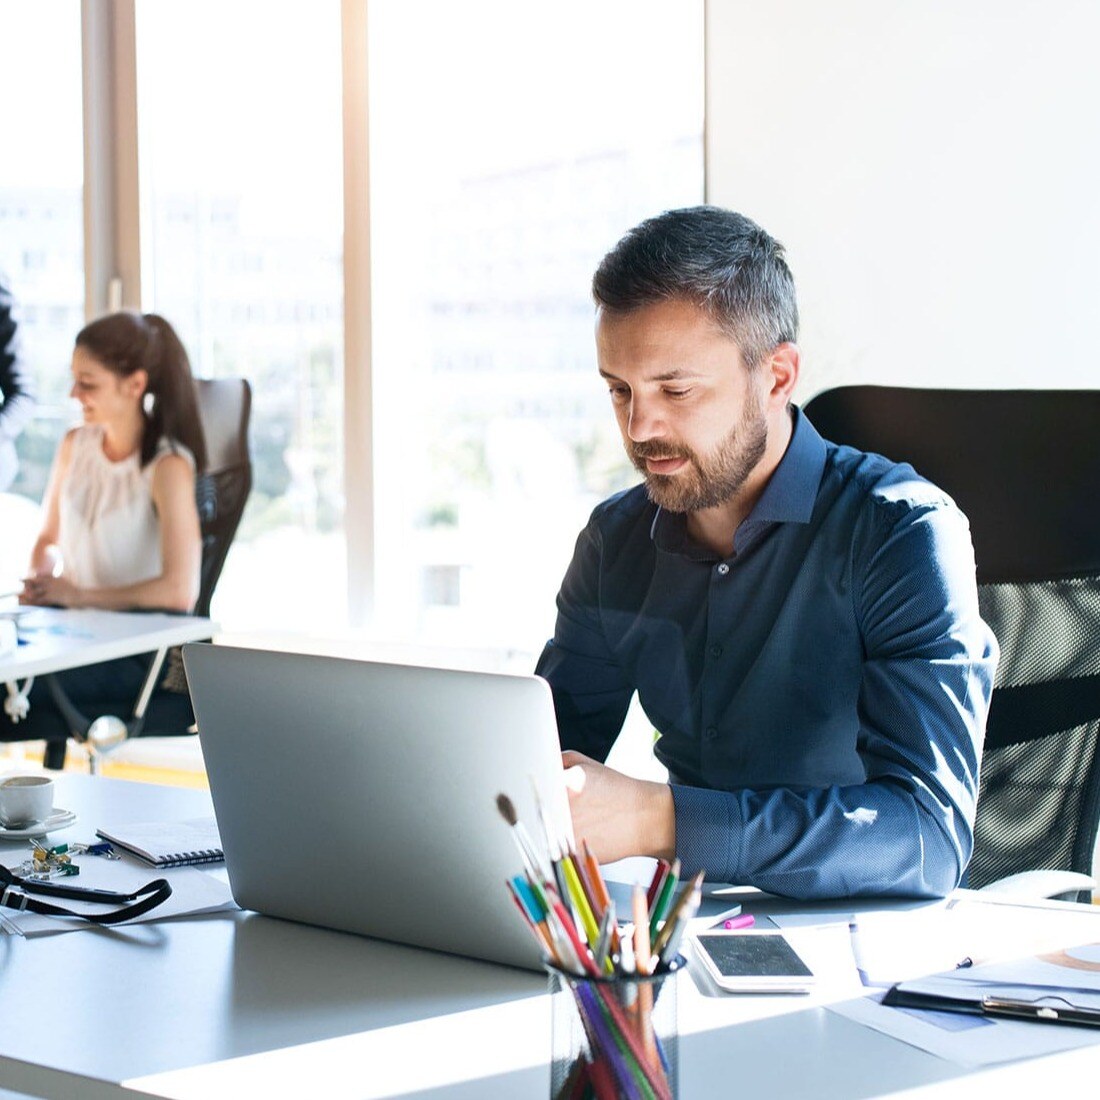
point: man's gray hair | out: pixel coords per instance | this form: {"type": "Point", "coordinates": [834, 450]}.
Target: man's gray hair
{"type": "Point", "coordinates": [719, 260]}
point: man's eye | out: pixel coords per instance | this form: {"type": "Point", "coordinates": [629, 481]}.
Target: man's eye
{"type": "Point", "coordinates": [677, 395]}
{"type": "Point", "coordinates": [618, 393]}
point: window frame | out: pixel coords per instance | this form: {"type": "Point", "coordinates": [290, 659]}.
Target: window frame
{"type": "Point", "coordinates": [115, 210]}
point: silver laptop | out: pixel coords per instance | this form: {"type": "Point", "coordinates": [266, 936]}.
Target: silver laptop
{"type": "Point", "coordinates": [361, 796]}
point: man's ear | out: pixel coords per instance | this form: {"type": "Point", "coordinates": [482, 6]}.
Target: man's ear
{"type": "Point", "coordinates": [783, 365]}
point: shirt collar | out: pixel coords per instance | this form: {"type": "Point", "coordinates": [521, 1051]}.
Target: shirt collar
{"type": "Point", "coordinates": [789, 496]}
{"type": "Point", "coordinates": [791, 492]}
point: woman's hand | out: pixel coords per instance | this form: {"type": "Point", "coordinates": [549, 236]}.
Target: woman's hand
{"type": "Point", "coordinates": [45, 591]}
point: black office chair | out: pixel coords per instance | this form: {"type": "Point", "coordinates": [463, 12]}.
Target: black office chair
{"type": "Point", "coordinates": [225, 407]}
{"type": "Point", "coordinates": [221, 492]}
{"type": "Point", "coordinates": [1025, 468]}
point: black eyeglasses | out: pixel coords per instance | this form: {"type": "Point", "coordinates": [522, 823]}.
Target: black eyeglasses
{"type": "Point", "coordinates": [15, 893]}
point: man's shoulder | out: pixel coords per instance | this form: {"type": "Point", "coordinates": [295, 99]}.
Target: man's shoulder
{"type": "Point", "coordinates": [626, 504]}
{"type": "Point", "coordinates": [879, 483]}
{"type": "Point", "coordinates": [624, 512]}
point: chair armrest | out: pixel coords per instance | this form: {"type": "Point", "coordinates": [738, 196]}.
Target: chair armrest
{"type": "Point", "coordinates": [1041, 884]}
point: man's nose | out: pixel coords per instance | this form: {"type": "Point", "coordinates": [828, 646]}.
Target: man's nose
{"type": "Point", "coordinates": [644, 421]}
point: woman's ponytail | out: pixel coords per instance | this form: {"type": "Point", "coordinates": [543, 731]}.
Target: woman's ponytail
{"type": "Point", "coordinates": [126, 342]}
{"type": "Point", "coordinates": [172, 411]}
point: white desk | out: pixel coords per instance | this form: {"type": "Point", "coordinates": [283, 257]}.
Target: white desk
{"type": "Point", "coordinates": [241, 1005]}
{"type": "Point", "coordinates": [63, 638]}
{"type": "Point", "coordinates": [55, 639]}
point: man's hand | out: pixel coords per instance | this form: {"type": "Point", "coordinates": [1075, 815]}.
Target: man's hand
{"type": "Point", "coordinates": [617, 815]}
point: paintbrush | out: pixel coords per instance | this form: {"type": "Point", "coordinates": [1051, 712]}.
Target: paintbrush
{"type": "Point", "coordinates": [531, 859]}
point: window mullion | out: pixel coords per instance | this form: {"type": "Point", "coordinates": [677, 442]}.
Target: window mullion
{"type": "Point", "coordinates": [359, 509]}
{"type": "Point", "coordinates": [112, 239]}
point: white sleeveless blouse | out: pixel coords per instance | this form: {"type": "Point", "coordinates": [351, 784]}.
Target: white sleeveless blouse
{"type": "Point", "coordinates": [110, 534]}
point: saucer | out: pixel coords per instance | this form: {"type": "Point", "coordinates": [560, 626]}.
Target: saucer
{"type": "Point", "coordinates": [59, 819]}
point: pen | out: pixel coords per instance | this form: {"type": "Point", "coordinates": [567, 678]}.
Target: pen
{"type": "Point", "coordinates": [603, 944]}
{"type": "Point", "coordinates": [563, 945]}
{"type": "Point", "coordinates": [599, 888]}
{"type": "Point", "coordinates": [663, 867]}
{"type": "Point", "coordinates": [672, 945]}
{"type": "Point", "coordinates": [597, 893]}
{"type": "Point", "coordinates": [687, 903]}
{"type": "Point", "coordinates": [528, 898]}
{"type": "Point", "coordinates": [559, 925]}
{"type": "Point", "coordinates": [658, 909]}
{"type": "Point", "coordinates": [1041, 1009]}
{"type": "Point", "coordinates": [643, 964]}
{"type": "Point", "coordinates": [580, 902]}
{"type": "Point", "coordinates": [668, 942]}
{"type": "Point", "coordinates": [537, 927]}
{"type": "Point", "coordinates": [584, 877]}
{"type": "Point", "coordinates": [857, 956]}
{"type": "Point", "coordinates": [641, 932]}
{"type": "Point", "coordinates": [584, 957]}
{"type": "Point", "coordinates": [985, 960]}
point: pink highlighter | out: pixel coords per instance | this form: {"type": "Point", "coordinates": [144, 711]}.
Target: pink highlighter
{"type": "Point", "coordinates": [746, 920]}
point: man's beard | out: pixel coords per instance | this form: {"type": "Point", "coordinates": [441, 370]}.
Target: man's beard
{"type": "Point", "coordinates": [710, 481]}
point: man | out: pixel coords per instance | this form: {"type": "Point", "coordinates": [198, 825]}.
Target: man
{"type": "Point", "coordinates": [16, 397]}
{"type": "Point", "coordinates": [799, 620]}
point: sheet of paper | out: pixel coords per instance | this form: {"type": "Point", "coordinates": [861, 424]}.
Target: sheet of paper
{"type": "Point", "coordinates": [971, 1041]}
{"type": "Point", "coordinates": [891, 947]}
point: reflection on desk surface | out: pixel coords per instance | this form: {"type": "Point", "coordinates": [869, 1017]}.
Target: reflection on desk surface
{"type": "Point", "coordinates": [355, 983]}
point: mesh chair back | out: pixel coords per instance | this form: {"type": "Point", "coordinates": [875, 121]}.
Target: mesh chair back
{"type": "Point", "coordinates": [1039, 804]}
{"type": "Point", "coordinates": [1025, 468]}
{"type": "Point", "coordinates": [225, 407]}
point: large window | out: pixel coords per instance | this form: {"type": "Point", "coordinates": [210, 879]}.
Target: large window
{"type": "Point", "coordinates": [41, 210]}
{"type": "Point", "coordinates": [240, 164]}
{"type": "Point", "coordinates": [511, 145]}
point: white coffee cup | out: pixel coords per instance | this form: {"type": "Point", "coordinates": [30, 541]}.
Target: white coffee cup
{"type": "Point", "coordinates": [25, 800]}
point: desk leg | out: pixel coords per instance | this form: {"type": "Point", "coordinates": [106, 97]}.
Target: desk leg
{"type": "Point", "coordinates": [146, 692]}
{"type": "Point", "coordinates": [17, 705]}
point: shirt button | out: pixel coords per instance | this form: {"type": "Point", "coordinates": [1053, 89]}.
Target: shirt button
{"type": "Point", "coordinates": [723, 569]}
{"type": "Point", "coordinates": [716, 651]}
{"type": "Point", "coordinates": [711, 733]}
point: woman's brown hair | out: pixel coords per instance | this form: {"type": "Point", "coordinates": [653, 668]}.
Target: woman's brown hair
{"type": "Point", "coordinates": [127, 342]}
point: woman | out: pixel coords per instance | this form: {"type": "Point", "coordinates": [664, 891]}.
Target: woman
{"type": "Point", "coordinates": [120, 506]}
{"type": "Point", "coordinates": [121, 529]}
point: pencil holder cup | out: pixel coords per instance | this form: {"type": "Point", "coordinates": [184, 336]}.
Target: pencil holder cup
{"type": "Point", "coordinates": [614, 1036]}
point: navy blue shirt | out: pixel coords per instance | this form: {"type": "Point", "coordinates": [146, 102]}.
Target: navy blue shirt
{"type": "Point", "coordinates": [820, 695]}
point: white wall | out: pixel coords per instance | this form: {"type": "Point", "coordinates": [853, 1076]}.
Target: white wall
{"type": "Point", "coordinates": [934, 171]}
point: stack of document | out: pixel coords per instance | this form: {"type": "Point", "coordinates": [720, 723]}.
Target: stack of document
{"type": "Point", "coordinates": [1058, 986]}
{"type": "Point", "coordinates": [978, 981]}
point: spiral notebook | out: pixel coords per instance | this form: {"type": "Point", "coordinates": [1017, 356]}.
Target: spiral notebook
{"type": "Point", "coordinates": [169, 843]}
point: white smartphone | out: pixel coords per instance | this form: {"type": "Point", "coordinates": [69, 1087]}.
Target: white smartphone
{"type": "Point", "coordinates": [753, 960]}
